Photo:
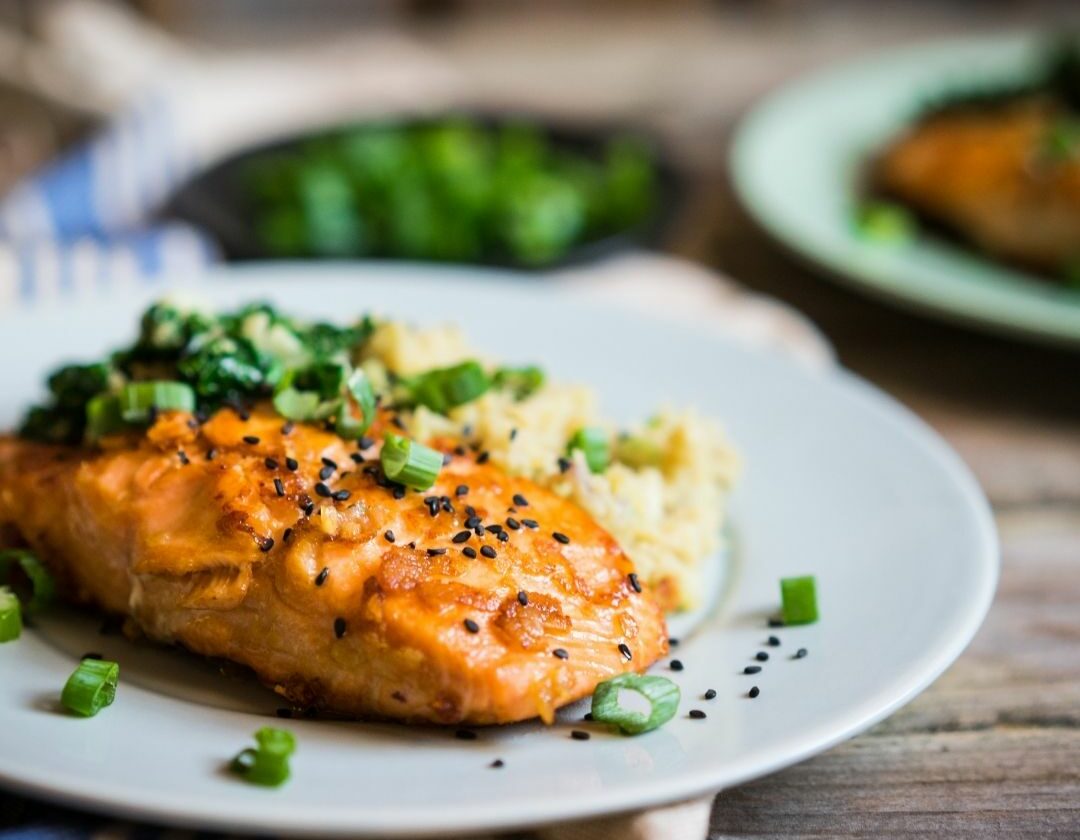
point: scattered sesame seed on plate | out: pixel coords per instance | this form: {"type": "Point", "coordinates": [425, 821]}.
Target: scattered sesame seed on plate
{"type": "Point", "coordinates": [754, 692]}
{"type": "Point", "coordinates": [697, 714]}
{"type": "Point", "coordinates": [580, 735]}
{"type": "Point", "coordinates": [676, 665]}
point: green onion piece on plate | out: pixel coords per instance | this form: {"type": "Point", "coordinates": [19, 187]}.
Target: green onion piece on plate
{"type": "Point", "coordinates": [293, 404]}
{"type": "Point", "coordinates": [522, 382]}
{"type": "Point", "coordinates": [885, 223]}
{"type": "Point", "coordinates": [663, 696]}
{"type": "Point", "coordinates": [92, 687]}
{"type": "Point", "coordinates": [267, 763]}
{"type": "Point", "coordinates": [42, 587]}
{"type": "Point", "coordinates": [410, 463]}
{"type": "Point", "coordinates": [799, 600]}
{"type": "Point", "coordinates": [10, 615]}
{"type": "Point", "coordinates": [446, 388]}
{"type": "Point", "coordinates": [138, 399]}
{"type": "Point", "coordinates": [596, 446]}
{"type": "Point", "coordinates": [103, 416]}
{"type": "Point", "coordinates": [359, 392]}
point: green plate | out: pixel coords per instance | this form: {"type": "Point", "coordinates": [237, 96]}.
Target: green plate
{"type": "Point", "coordinates": [796, 161]}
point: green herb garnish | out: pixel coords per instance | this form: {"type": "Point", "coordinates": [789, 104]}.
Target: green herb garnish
{"type": "Point", "coordinates": [661, 693]}
{"type": "Point", "coordinates": [268, 762]}
{"type": "Point", "coordinates": [799, 600]}
{"type": "Point", "coordinates": [91, 688]}
{"type": "Point", "coordinates": [410, 463]}
{"type": "Point", "coordinates": [595, 444]}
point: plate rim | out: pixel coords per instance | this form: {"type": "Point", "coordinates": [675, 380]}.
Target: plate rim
{"type": "Point", "coordinates": [628, 797]}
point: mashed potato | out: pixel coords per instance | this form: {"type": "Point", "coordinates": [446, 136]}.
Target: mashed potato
{"type": "Point", "coordinates": [662, 497]}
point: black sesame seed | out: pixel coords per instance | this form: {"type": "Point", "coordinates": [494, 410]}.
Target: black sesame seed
{"type": "Point", "coordinates": [341, 495]}
{"type": "Point", "coordinates": [286, 535]}
{"type": "Point", "coordinates": [326, 472]}
{"type": "Point", "coordinates": [587, 716]}
{"type": "Point", "coordinates": [752, 669]}
{"type": "Point", "coordinates": [339, 627]}
{"type": "Point", "coordinates": [436, 552]}
{"type": "Point", "coordinates": [447, 505]}
{"type": "Point", "coordinates": [292, 464]}
{"type": "Point", "coordinates": [523, 597]}
{"type": "Point", "coordinates": [761, 656]}
{"type": "Point", "coordinates": [251, 439]}
{"type": "Point", "coordinates": [624, 649]}
{"type": "Point", "coordinates": [513, 434]}
{"type": "Point", "coordinates": [431, 500]}
{"type": "Point", "coordinates": [497, 763]}
{"type": "Point", "coordinates": [560, 653]}
{"type": "Point", "coordinates": [710, 694]}
{"type": "Point", "coordinates": [284, 713]}
{"type": "Point", "coordinates": [564, 464]}
{"type": "Point", "coordinates": [697, 714]}
{"type": "Point", "coordinates": [754, 692]}
{"type": "Point", "coordinates": [635, 584]}
{"type": "Point", "coordinates": [388, 536]}
{"type": "Point", "coordinates": [397, 421]}
{"type": "Point", "coordinates": [673, 642]}
{"type": "Point", "coordinates": [399, 492]}
{"type": "Point", "coordinates": [211, 454]}
{"type": "Point", "coordinates": [271, 464]}
{"type": "Point", "coordinates": [365, 443]}
{"type": "Point", "coordinates": [320, 579]}
{"type": "Point", "coordinates": [469, 552]}
{"type": "Point", "coordinates": [773, 641]}
{"type": "Point", "coordinates": [472, 626]}
{"type": "Point", "coordinates": [471, 511]}
{"type": "Point", "coordinates": [800, 653]}
{"type": "Point", "coordinates": [776, 622]}
{"type": "Point", "coordinates": [182, 455]}
{"type": "Point", "coordinates": [580, 735]}
{"type": "Point", "coordinates": [459, 450]}
{"type": "Point", "coordinates": [461, 490]}
{"type": "Point", "coordinates": [503, 536]}
{"type": "Point", "coordinates": [447, 458]}
{"type": "Point", "coordinates": [462, 536]}
{"type": "Point", "coordinates": [562, 538]}
{"type": "Point", "coordinates": [465, 735]}
{"type": "Point", "coordinates": [676, 665]}
{"type": "Point", "coordinates": [512, 523]}
{"type": "Point", "coordinates": [530, 523]}
{"type": "Point", "coordinates": [329, 462]}
{"type": "Point", "coordinates": [472, 522]}
{"type": "Point", "coordinates": [308, 507]}
{"type": "Point", "coordinates": [323, 490]}
{"type": "Point", "coordinates": [279, 487]}
{"type": "Point", "coordinates": [287, 427]}
{"type": "Point", "coordinates": [479, 531]}
{"type": "Point", "coordinates": [488, 552]}
{"type": "Point", "coordinates": [412, 545]}
{"type": "Point", "coordinates": [520, 500]}
{"type": "Point", "coordinates": [482, 458]}
{"type": "Point", "coordinates": [357, 458]}
{"type": "Point", "coordinates": [265, 544]}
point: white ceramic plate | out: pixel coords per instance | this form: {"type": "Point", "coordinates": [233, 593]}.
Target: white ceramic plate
{"type": "Point", "coordinates": [796, 163]}
{"type": "Point", "coordinates": [840, 482]}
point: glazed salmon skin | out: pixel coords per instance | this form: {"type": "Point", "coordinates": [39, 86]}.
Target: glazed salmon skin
{"type": "Point", "coordinates": [281, 546]}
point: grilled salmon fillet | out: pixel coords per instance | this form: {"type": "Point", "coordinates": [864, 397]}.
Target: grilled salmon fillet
{"type": "Point", "coordinates": [285, 549]}
{"type": "Point", "coordinates": [989, 175]}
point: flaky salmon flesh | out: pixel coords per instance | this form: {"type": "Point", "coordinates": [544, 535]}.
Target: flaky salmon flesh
{"type": "Point", "coordinates": [483, 600]}
{"type": "Point", "coordinates": [992, 176]}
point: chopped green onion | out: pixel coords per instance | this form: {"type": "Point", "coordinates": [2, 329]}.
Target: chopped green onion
{"type": "Point", "coordinates": [10, 615]}
{"type": "Point", "coordinates": [886, 223]}
{"type": "Point", "coordinates": [92, 687]}
{"type": "Point", "coordinates": [268, 763]}
{"type": "Point", "coordinates": [446, 388]}
{"type": "Point", "coordinates": [522, 382]}
{"type": "Point", "coordinates": [138, 399]}
{"type": "Point", "coordinates": [638, 452]}
{"type": "Point", "coordinates": [799, 599]}
{"type": "Point", "coordinates": [296, 405]}
{"type": "Point", "coordinates": [359, 390]}
{"type": "Point", "coordinates": [42, 587]}
{"type": "Point", "coordinates": [103, 416]}
{"type": "Point", "coordinates": [663, 696]}
{"type": "Point", "coordinates": [409, 462]}
{"type": "Point", "coordinates": [594, 443]}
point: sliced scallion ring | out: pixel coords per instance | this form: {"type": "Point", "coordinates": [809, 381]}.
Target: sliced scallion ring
{"type": "Point", "coordinates": [595, 445]}
{"type": "Point", "coordinates": [103, 416]}
{"type": "Point", "coordinates": [663, 696]}
{"type": "Point", "coordinates": [360, 392]}
{"type": "Point", "coordinates": [296, 405]}
{"type": "Point", "coordinates": [42, 587]}
{"type": "Point", "coordinates": [92, 687]}
{"type": "Point", "coordinates": [446, 388]}
{"type": "Point", "coordinates": [268, 763]}
{"type": "Point", "coordinates": [410, 463]}
{"type": "Point", "coordinates": [139, 399]}
{"type": "Point", "coordinates": [10, 615]}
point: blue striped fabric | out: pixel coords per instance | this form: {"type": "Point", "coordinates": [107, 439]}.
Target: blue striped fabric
{"type": "Point", "coordinates": [87, 219]}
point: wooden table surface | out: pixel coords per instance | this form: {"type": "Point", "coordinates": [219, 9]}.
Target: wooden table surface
{"type": "Point", "coordinates": [992, 749]}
